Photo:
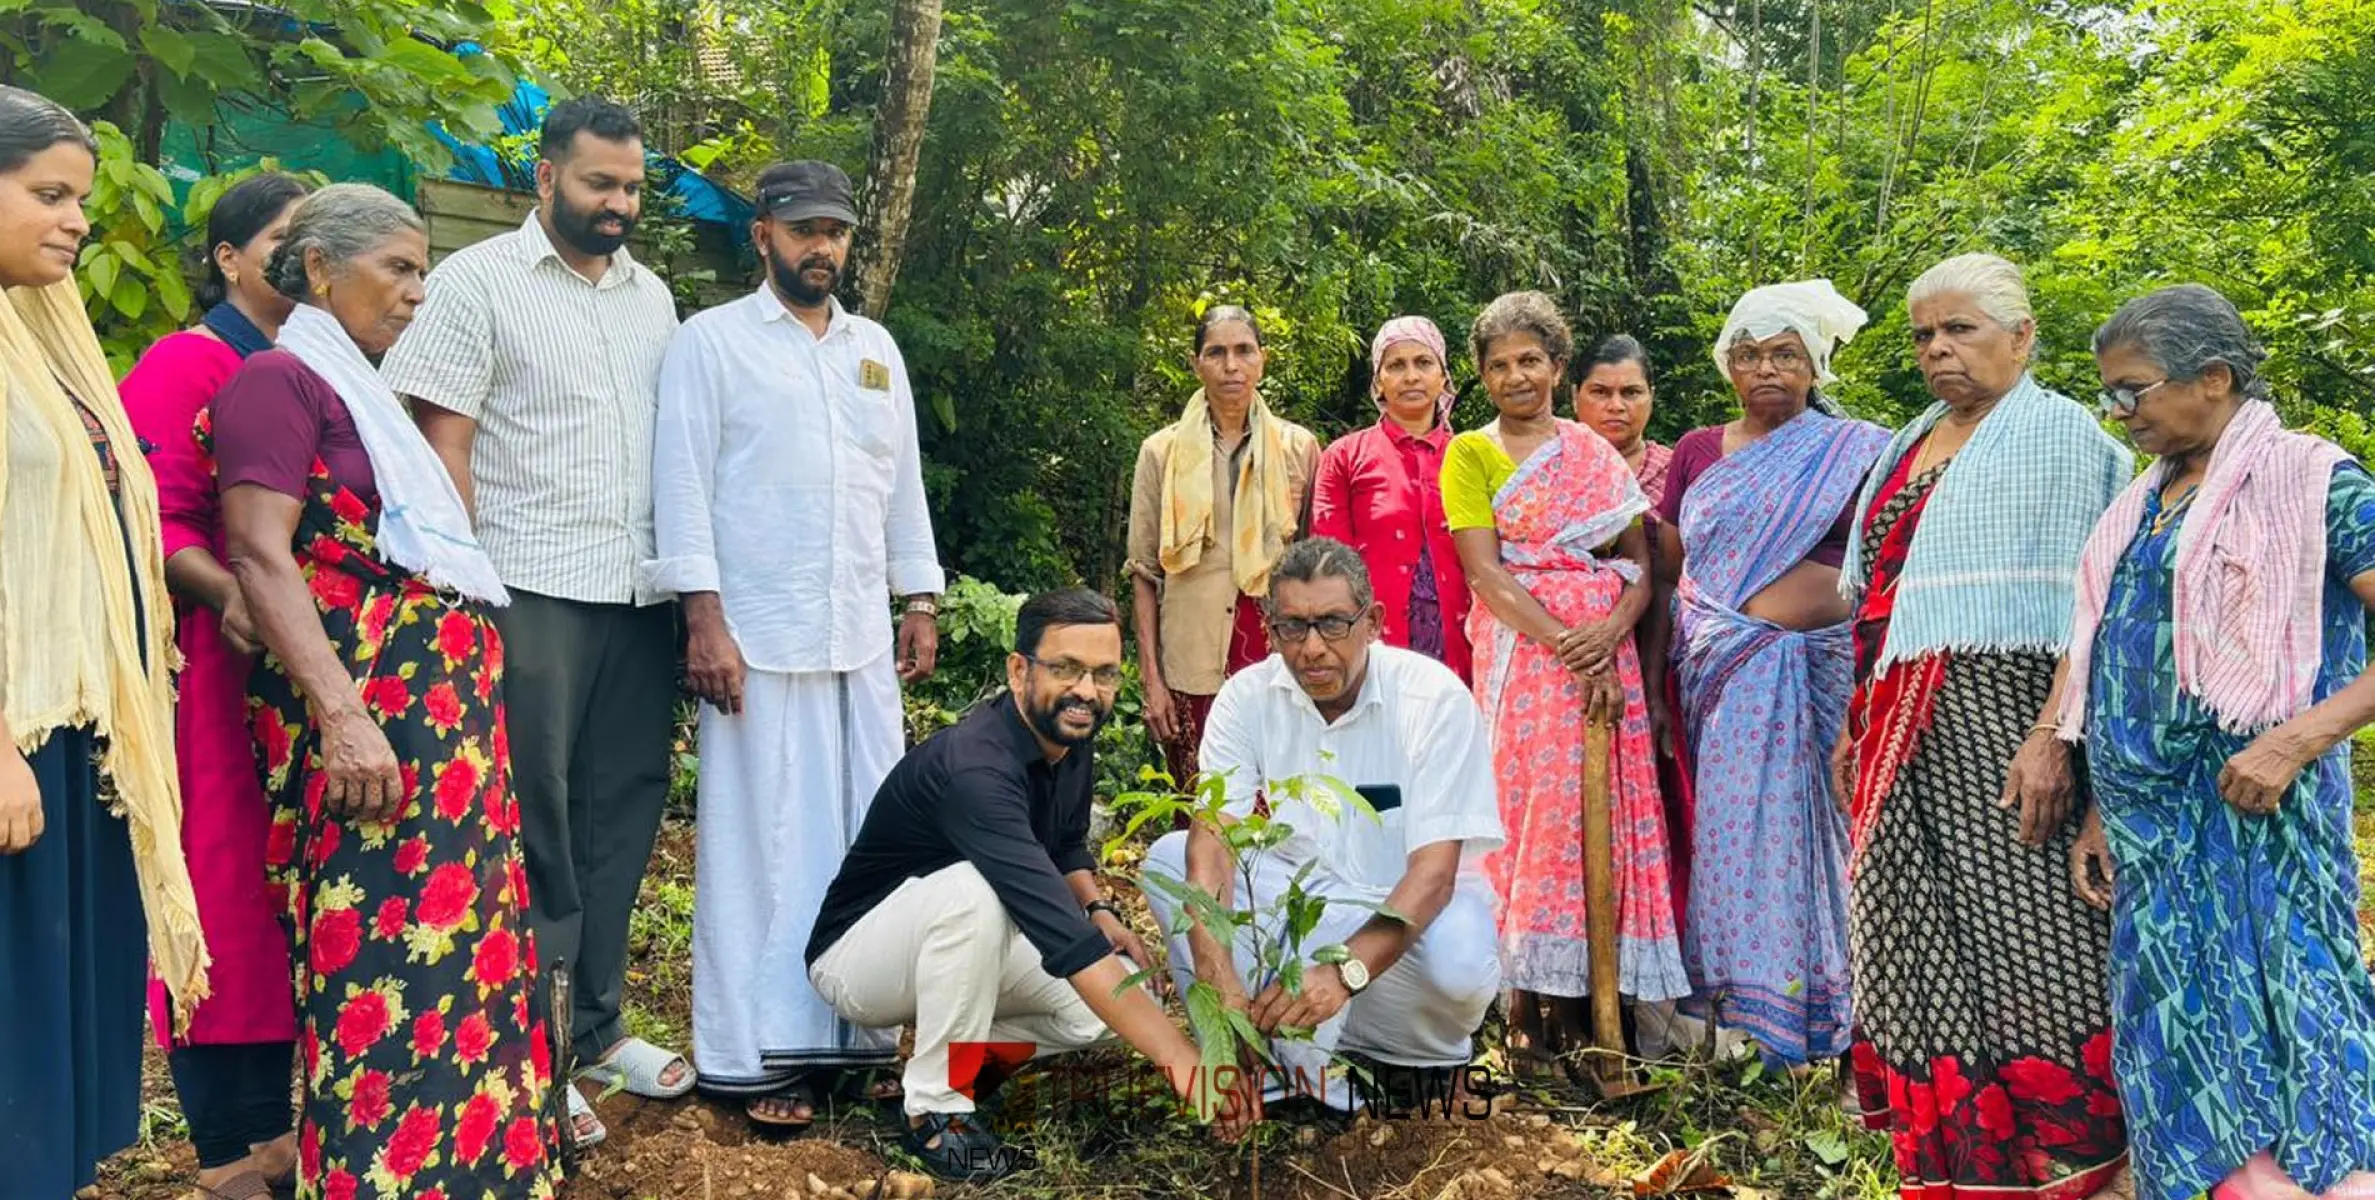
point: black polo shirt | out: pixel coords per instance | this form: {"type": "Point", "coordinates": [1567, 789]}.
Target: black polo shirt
{"type": "Point", "coordinates": [980, 791]}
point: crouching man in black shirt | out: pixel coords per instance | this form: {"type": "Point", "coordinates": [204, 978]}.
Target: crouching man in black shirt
{"type": "Point", "coordinates": [969, 903]}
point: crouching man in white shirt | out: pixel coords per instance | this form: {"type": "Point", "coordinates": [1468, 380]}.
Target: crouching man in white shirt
{"type": "Point", "coordinates": [1399, 728]}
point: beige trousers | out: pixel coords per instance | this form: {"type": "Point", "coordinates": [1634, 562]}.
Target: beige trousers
{"type": "Point", "coordinates": [941, 953]}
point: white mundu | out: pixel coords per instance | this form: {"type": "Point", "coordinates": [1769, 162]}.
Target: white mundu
{"type": "Point", "coordinates": [787, 479]}
{"type": "Point", "coordinates": [1413, 729]}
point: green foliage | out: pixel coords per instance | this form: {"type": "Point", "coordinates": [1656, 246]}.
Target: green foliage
{"type": "Point", "coordinates": [1096, 173]}
{"type": "Point", "coordinates": [132, 65]}
{"type": "Point", "coordinates": [2108, 151]}
{"type": "Point", "coordinates": [139, 61]}
{"type": "Point", "coordinates": [1279, 931]}
{"type": "Point", "coordinates": [976, 635]}
{"type": "Point", "coordinates": [145, 247]}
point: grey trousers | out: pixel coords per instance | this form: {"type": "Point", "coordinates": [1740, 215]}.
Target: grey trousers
{"type": "Point", "coordinates": [590, 693]}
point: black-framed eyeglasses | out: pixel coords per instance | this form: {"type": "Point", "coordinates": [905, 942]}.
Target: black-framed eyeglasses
{"type": "Point", "coordinates": [2120, 402]}
{"type": "Point", "coordinates": [1068, 673]}
{"type": "Point", "coordinates": [1335, 627]}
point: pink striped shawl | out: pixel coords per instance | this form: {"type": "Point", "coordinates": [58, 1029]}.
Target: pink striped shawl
{"type": "Point", "coordinates": [2250, 576]}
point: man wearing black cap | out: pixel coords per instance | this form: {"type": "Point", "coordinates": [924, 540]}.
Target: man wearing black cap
{"type": "Point", "coordinates": [789, 510]}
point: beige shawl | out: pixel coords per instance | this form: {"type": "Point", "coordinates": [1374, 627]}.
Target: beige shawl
{"type": "Point", "coordinates": [83, 640]}
{"type": "Point", "coordinates": [1264, 504]}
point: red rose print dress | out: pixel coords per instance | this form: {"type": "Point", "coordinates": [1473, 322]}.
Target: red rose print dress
{"type": "Point", "coordinates": [426, 1065]}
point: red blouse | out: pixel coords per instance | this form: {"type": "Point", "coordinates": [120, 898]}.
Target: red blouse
{"type": "Point", "coordinates": [1380, 491]}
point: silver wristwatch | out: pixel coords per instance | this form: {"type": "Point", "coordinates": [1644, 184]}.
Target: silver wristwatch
{"type": "Point", "coordinates": [1355, 973]}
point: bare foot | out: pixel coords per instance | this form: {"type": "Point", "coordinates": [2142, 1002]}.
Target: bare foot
{"type": "Point", "coordinates": [2121, 1187]}
{"type": "Point", "coordinates": [216, 1178]}
{"type": "Point", "coordinates": [277, 1159]}
{"type": "Point", "coordinates": [792, 1107]}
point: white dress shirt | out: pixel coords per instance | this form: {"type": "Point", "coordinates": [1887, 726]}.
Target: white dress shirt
{"type": "Point", "coordinates": [561, 373]}
{"type": "Point", "coordinates": [786, 478]}
{"type": "Point", "coordinates": [1414, 726]}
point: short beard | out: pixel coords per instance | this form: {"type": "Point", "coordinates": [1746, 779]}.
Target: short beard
{"type": "Point", "coordinates": [576, 227]}
{"type": "Point", "coordinates": [790, 284]}
{"type": "Point", "coordinates": [1044, 720]}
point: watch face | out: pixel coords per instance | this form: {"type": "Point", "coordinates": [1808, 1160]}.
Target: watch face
{"type": "Point", "coordinates": [1356, 974]}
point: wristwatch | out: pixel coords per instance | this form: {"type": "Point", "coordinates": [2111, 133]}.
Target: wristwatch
{"type": "Point", "coordinates": [1100, 906]}
{"type": "Point", "coordinates": [926, 604]}
{"type": "Point", "coordinates": [1355, 973]}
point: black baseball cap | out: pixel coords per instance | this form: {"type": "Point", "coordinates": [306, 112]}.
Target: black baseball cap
{"type": "Point", "coordinates": [805, 190]}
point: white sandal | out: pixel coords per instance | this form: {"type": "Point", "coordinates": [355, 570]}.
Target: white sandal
{"type": "Point", "coordinates": [581, 1110]}
{"type": "Point", "coordinates": [635, 1066]}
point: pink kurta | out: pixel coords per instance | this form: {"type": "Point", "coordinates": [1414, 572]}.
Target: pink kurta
{"type": "Point", "coordinates": [225, 817]}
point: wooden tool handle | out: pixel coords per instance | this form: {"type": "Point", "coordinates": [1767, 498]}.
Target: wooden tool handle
{"type": "Point", "coordinates": [1599, 875]}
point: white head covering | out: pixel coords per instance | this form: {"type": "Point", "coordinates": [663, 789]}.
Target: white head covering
{"type": "Point", "coordinates": [1810, 308]}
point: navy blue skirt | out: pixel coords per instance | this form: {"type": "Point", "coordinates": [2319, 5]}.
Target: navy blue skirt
{"type": "Point", "coordinates": [73, 985]}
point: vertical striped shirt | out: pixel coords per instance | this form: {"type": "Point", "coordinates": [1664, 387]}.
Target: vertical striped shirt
{"type": "Point", "coordinates": [562, 375]}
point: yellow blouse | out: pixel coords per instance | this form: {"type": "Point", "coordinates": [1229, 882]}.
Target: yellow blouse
{"type": "Point", "coordinates": [1474, 468]}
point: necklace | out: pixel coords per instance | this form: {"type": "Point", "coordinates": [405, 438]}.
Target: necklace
{"type": "Point", "coordinates": [1923, 462]}
{"type": "Point", "coordinates": [2167, 514]}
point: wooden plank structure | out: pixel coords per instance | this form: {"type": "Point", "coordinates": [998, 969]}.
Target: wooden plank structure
{"type": "Point", "coordinates": [462, 214]}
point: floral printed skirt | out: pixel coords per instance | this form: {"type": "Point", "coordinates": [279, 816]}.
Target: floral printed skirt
{"type": "Point", "coordinates": [424, 1053]}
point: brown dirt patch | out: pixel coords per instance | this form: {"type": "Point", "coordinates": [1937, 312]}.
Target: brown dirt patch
{"type": "Point", "coordinates": [706, 1149]}
{"type": "Point", "coordinates": [1512, 1155]}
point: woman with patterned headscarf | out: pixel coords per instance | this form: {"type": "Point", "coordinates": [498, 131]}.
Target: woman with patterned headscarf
{"type": "Point", "coordinates": [1380, 491]}
{"type": "Point", "coordinates": [1216, 498]}
{"type": "Point", "coordinates": [1753, 528]}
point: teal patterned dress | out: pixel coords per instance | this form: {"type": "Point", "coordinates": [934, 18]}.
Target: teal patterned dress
{"type": "Point", "coordinates": [2244, 1017]}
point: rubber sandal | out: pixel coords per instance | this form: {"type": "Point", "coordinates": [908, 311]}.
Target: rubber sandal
{"type": "Point", "coordinates": [792, 1095]}
{"type": "Point", "coordinates": [636, 1066]}
{"type": "Point", "coordinates": [580, 1111]}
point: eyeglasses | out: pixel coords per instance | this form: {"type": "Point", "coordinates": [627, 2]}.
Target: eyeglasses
{"type": "Point", "coordinates": [1335, 627]}
{"type": "Point", "coordinates": [2121, 402]}
{"type": "Point", "coordinates": [1068, 673]}
{"type": "Point", "coordinates": [1784, 358]}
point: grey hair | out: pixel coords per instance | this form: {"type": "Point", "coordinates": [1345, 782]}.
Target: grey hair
{"type": "Point", "coordinates": [1317, 558]}
{"type": "Point", "coordinates": [344, 221]}
{"type": "Point", "coordinates": [1990, 282]}
{"type": "Point", "coordinates": [2185, 330]}
{"type": "Point", "coordinates": [1522, 312]}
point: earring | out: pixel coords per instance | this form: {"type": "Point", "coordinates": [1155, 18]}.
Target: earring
{"type": "Point", "coordinates": [231, 278]}
{"type": "Point", "coordinates": [322, 290]}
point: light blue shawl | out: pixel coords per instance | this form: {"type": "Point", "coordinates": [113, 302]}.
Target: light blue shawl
{"type": "Point", "coordinates": [1994, 564]}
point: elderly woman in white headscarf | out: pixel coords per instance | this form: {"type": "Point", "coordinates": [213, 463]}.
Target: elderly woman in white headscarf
{"type": "Point", "coordinates": [1754, 527]}
{"type": "Point", "coordinates": [1380, 491]}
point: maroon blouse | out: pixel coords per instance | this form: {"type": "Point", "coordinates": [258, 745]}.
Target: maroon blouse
{"type": "Point", "coordinates": [275, 418]}
{"type": "Point", "coordinates": [1703, 448]}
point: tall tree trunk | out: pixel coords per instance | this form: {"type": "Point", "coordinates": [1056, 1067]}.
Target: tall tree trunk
{"type": "Point", "coordinates": [898, 145]}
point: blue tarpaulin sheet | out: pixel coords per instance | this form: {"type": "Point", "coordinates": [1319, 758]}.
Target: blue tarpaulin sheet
{"type": "Point", "coordinates": [695, 197]}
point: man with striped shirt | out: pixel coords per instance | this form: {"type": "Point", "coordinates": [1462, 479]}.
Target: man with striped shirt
{"type": "Point", "coordinates": [533, 368]}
